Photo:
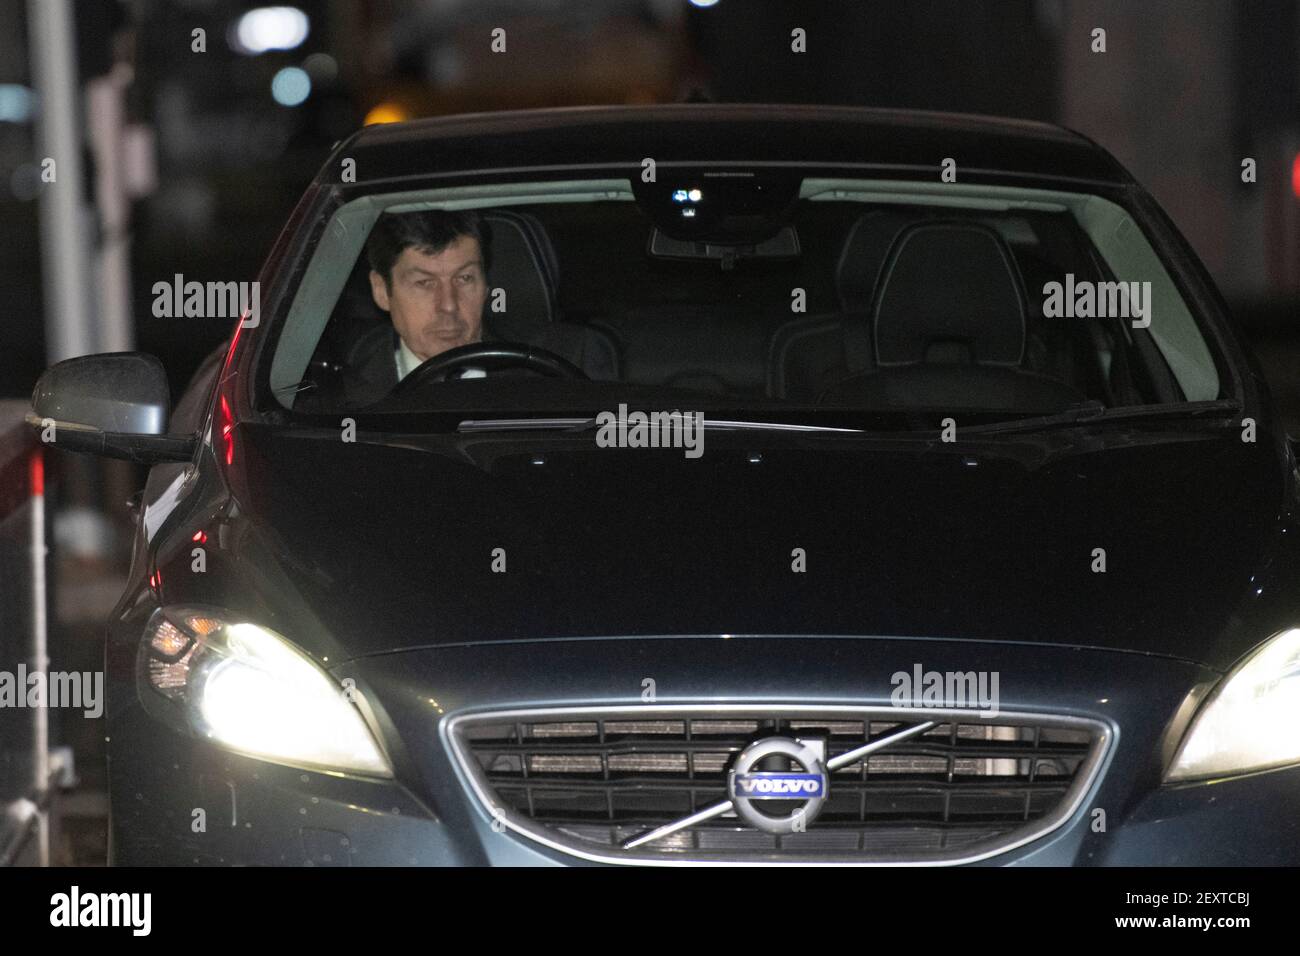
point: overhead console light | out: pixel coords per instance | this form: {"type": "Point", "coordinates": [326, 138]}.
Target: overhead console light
{"type": "Point", "coordinates": [722, 206]}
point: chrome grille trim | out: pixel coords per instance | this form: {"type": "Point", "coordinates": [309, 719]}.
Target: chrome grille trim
{"type": "Point", "coordinates": [453, 730]}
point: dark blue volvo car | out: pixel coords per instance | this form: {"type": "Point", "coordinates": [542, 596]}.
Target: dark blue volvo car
{"type": "Point", "coordinates": [700, 484]}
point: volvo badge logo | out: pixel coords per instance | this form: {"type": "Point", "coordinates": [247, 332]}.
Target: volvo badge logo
{"type": "Point", "coordinates": [806, 787]}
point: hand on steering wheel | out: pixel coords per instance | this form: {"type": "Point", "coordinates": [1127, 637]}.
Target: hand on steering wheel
{"type": "Point", "coordinates": [490, 355]}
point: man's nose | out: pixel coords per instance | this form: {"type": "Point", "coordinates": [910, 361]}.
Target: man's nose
{"type": "Point", "coordinates": [445, 300]}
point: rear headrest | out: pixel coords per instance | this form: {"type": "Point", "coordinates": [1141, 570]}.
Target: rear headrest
{"type": "Point", "coordinates": [949, 292]}
{"type": "Point", "coordinates": [522, 261]}
{"type": "Point", "coordinates": [858, 267]}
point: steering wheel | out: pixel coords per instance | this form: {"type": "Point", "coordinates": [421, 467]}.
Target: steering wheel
{"type": "Point", "coordinates": [490, 355]}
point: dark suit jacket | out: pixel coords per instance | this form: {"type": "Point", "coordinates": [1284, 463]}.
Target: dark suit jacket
{"type": "Point", "coordinates": [370, 369]}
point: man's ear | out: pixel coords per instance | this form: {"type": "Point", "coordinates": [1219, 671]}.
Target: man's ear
{"type": "Point", "coordinates": [379, 290]}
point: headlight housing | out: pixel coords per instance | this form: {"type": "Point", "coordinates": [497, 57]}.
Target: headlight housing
{"type": "Point", "coordinates": [1252, 720]}
{"type": "Point", "coordinates": [247, 688]}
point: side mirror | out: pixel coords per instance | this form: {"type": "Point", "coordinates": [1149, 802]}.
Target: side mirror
{"type": "Point", "coordinates": [114, 405]}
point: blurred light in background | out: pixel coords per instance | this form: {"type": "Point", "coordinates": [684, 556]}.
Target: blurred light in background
{"type": "Point", "coordinates": [269, 28]}
{"type": "Point", "coordinates": [321, 67]}
{"type": "Point", "coordinates": [291, 86]}
{"type": "Point", "coordinates": [703, 3]}
{"type": "Point", "coordinates": [1295, 176]}
{"type": "Point", "coordinates": [25, 183]}
{"type": "Point", "coordinates": [17, 103]}
{"type": "Point", "coordinates": [386, 112]}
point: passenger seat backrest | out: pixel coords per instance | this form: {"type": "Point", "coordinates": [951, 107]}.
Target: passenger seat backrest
{"type": "Point", "coordinates": [949, 328]}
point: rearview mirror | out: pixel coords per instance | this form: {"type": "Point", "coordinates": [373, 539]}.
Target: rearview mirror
{"type": "Point", "coordinates": [115, 405]}
{"type": "Point", "coordinates": [783, 245]}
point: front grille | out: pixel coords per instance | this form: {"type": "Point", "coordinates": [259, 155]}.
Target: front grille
{"type": "Point", "coordinates": [588, 781]}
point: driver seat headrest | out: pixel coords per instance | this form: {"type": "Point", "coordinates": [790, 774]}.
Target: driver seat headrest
{"type": "Point", "coordinates": [523, 263]}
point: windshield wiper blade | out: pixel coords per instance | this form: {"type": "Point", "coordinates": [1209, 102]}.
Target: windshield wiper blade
{"type": "Point", "coordinates": [1094, 411]}
{"type": "Point", "coordinates": [522, 424]}
{"type": "Point", "coordinates": [775, 426]}
{"type": "Point", "coordinates": [585, 424]}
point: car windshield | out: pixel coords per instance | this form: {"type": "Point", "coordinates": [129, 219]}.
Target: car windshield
{"type": "Point", "coordinates": [784, 296]}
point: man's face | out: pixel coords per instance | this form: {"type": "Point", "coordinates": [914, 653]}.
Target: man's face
{"type": "Point", "coordinates": [435, 301]}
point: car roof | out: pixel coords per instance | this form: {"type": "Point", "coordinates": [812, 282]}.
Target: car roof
{"type": "Point", "coordinates": [571, 137]}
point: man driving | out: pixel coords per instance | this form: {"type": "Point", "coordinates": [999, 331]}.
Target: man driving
{"type": "Point", "coordinates": [428, 273]}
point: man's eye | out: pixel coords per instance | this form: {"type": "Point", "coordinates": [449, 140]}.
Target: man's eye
{"type": "Point", "coordinates": [467, 278]}
{"type": "Point", "coordinates": [424, 283]}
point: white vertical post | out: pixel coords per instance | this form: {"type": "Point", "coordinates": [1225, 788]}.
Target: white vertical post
{"type": "Point", "coordinates": [65, 262]}
{"type": "Point", "coordinates": [40, 652]}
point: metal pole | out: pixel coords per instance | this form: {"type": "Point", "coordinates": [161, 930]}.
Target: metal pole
{"type": "Point", "coordinates": [65, 262]}
{"type": "Point", "coordinates": [40, 652]}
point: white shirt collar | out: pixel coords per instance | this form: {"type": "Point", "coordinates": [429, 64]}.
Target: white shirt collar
{"type": "Point", "coordinates": [407, 361]}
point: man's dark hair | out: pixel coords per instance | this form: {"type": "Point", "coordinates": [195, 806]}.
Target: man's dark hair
{"type": "Point", "coordinates": [429, 231]}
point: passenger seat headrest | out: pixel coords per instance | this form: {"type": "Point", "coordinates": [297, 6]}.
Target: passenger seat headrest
{"type": "Point", "coordinates": [949, 292]}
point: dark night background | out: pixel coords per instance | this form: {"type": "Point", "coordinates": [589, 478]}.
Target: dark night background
{"type": "Point", "coordinates": [1185, 90]}
{"type": "Point", "coordinates": [212, 164]}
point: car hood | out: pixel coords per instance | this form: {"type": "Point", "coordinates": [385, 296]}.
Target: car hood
{"type": "Point", "coordinates": [365, 547]}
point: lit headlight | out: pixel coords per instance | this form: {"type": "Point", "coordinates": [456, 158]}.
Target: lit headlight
{"type": "Point", "coordinates": [1251, 720]}
{"type": "Point", "coordinates": [249, 689]}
